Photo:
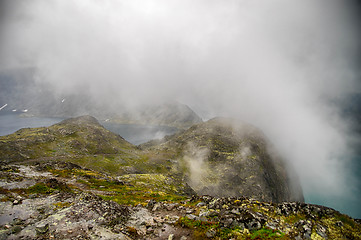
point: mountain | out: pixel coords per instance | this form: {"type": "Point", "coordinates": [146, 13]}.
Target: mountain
{"type": "Point", "coordinates": [224, 157]}
{"type": "Point", "coordinates": [220, 157]}
{"type": "Point", "coordinates": [77, 180]}
{"type": "Point", "coordinates": [22, 92]}
{"type": "Point", "coordinates": [169, 114]}
{"type": "Point", "coordinates": [69, 138]}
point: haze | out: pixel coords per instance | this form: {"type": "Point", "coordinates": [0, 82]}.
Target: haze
{"type": "Point", "coordinates": [277, 64]}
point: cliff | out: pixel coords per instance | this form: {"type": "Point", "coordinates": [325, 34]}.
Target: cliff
{"type": "Point", "coordinates": [224, 157]}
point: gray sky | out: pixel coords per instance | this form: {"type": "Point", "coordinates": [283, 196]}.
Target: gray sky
{"type": "Point", "coordinates": [274, 63]}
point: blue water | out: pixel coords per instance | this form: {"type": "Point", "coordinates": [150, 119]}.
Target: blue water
{"type": "Point", "coordinates": [138, 134]}
{"type": "Point", "coordinates": [11, 122]}
{"type": "Point", "coordinates": [350, 202]}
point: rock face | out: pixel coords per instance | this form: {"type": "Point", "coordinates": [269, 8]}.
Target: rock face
{"type": "Point", "coordinates": [224, 157]}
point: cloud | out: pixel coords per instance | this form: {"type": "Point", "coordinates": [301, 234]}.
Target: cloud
{"type": "Point", "coordinates": [277, 64]}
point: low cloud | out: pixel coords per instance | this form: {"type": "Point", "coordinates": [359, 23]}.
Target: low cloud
{"type": "Point", "coordinates": [277, 64]}
{"type": "Point", "coordinates": [195, 159]}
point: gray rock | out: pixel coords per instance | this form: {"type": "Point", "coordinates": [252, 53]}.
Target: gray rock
{"type": "Point", "coordinates": [16, 229]}
{"type": "Point", "coordinates": [254, 225]}
{"type": "Point", "coordinates": [210, 233]}
{"type": "Point", "coordinates": [203, 219]}
{"type": "Point", "coordinates": [201, 204]}
{"type": "Point", "coordinates": [3, 235]}
{"type": "Point", "coordinates": [320, 230]}
{"type": "Point", "coordinates": [228, 222]}
{"type": "Point", "coordinates": [235, 211]}
{"type": "Point", "coordinates": [339, 224]}
{"type": "Point", "coordinates": [190, 210]}
{"type": "Point", "coordinates": [157, 207]}
{"type": "Point", "coordinates": [192, 217]}
{"type": "Point", "coordinates": [42, 228]}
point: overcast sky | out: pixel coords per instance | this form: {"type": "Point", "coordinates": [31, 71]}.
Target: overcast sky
{"type": "Point", "coordinates": [277, 64]}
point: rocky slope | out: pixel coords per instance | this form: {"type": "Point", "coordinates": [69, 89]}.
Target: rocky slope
{"type": "Point", "coordinates": [76, 180]}
{"type": "Point", "coordinates": [225, 157]}
{"type": "Point", "coordinates": [69, 138]}
{"type": "Point", "coordinates": [221, 157]}
{"type": "Point", "coordinates": [59, 200]}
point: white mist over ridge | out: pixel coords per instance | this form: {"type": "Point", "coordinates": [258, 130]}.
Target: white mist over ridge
{"type": "Point", "coordinates": [276, 64]}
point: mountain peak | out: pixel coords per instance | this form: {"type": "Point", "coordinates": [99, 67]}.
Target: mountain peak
{"type": "Point", "coordinates": [227, 157]}
{"type": "Point", "coordinates": [86, 119]}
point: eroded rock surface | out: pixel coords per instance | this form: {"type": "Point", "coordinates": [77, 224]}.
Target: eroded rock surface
{"type": "Point", "coordinates": [66, 201]}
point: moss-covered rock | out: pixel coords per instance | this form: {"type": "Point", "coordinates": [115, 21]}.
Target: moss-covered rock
{"type": "Point", "coordinates": [225, 157]}
{"type": "Point", "coordinates": [67, 201]}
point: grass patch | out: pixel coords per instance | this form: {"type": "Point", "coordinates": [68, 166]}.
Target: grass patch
{"type": "Point", "coordinates": [40, 188]}
{"type": "Point", "coordinates": [61, 205]}
{"type": "Point", "coordinates": [200, 227]}
{"type": "Point", "coordinates": [267, 233]}
{"type": "Point", "coordinates": [292, 219]}
{"type": "Point", "coordinates": [128, 194]}
{"type": "Point", "coordinates": [345, 220]}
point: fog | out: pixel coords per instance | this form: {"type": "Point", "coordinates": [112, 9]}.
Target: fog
{"type": "Point", "coordinates": [277, 64]}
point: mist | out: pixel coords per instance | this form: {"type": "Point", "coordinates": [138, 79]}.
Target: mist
{"type": "Point", "coordinates": [277, 64]}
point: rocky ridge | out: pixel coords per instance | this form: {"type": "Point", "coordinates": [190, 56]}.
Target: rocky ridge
{"type": "Point", "coordinates": [226, 157]}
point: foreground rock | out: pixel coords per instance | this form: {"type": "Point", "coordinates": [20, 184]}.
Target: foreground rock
{"type": "Point", "coordinates": [65, 201]}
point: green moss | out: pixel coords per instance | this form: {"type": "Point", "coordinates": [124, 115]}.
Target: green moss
{"type": "Point", "coordinates": [129, 194]}
{"type": "Point", "coordinates": [4, 190]}
{"type": "Point", "coordinates": [337, 231]}
{"type": "Point", "coordinates": [293, 218]}
{"type": "Point", "coordinates": [345, 220]}
{"type": "Point", "coordinates": [267, 233]}
{"type": "Point", "coordinates": [61, 205]}
{"type": "Point", "coordinates": [200, 228]}
{"type": "Point", "coordinates": [40, 188]}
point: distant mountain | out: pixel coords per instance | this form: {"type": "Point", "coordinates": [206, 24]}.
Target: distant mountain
{"type": "Point", "coordinates": [21, 92]}
{"type": "Point", "coordinates": [170, 114]}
